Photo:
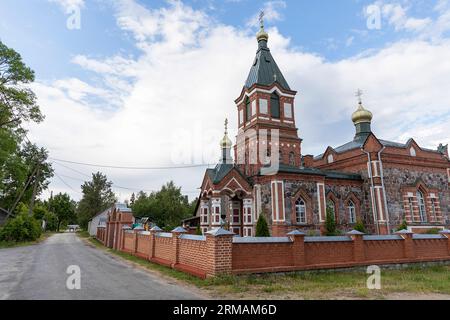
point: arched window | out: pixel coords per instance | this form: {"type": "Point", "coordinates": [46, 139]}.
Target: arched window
{"type": "Point", "coordinates": [300, 211]}
{"type": "Point", "coordinates": [330, 158]}
{"type": "Point", "coordinates": [275, 105]}
{"type": "Point", "coordinates": [422, 209]}
{"type": "Point", "coordinates": [292, 159]}
{"type": "Point", "coordinates": [351, 212]}
{"type": "Point", "coordinates": [412, 152]}
{"type": "Point", "coordinates": [248, 109]}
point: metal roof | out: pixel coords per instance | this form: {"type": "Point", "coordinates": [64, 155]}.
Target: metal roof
{"type": "Point", "coordinates": [314, 171]}
{"type": "Point", "coordinates": [264, 70]}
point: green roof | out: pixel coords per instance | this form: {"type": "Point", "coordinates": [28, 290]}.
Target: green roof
{"type": "Point", "coordinates": [265, 70]}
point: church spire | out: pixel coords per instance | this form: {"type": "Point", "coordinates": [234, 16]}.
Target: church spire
{"type": "Point", "coordinates": [264, 70]}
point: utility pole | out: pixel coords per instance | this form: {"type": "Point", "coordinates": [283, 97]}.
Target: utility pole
{"type": "Point", "coordinates": [36, 184]}
{"type": "Point", "coordinates": [11, 210]}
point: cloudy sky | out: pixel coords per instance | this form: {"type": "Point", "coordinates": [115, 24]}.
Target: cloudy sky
{"type": "Point", "coordinates": [141, 83]}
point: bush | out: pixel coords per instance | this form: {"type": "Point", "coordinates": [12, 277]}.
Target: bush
{"type": "Point", "coordinates": [262, 229]}
{"type": "Point", "coordinates": [403, 226]}
{"type": "Point", "coordinates": [198, 231]}
{"type": "Point", "coordinates": [21, 228]}
{"type": "Point", "coordinates": [360, 226]}
{"type": "Point", "coordinates": [433, 231]}
{"type": "Point", "coordinates": [51, 221]}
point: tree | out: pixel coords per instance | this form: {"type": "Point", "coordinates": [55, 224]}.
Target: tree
{"type": "Point", "coordinates": [360, 226]}
{"type": "Point", "coordinates": [132, 199]}
{"type": "Point", "coordinates": [22, 227]}
{"type": "Point", "coordinates": [198, 231]}
{"type": "Point", "coordinates": [64, 209]}
{"type": "Point", "coordinates": [330, 223]}
{"type": "Point", "coordinates": [17, 101]}
{"type": "Point", "coordinates": [166, 208]}
{"type": "Point", "coordinates": [262, 229]}
{"type": "Point", "coordinates": [97, 196]}
{"type": "Point", "coordinates": [18, 162]}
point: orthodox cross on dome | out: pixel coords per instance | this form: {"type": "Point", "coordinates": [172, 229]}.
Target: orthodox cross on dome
{"type": "Point", "coordinates": [261, 19]}
{"type": "Point", "coordinates": [359, 94]}
{"type": "Point", "coordinates": [226, 126]}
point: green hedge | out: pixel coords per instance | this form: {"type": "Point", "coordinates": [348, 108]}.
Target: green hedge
{"type": "Point", "coordinates": [21, 228]}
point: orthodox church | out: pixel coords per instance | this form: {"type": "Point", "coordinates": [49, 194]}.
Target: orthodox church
{"type": "Point", "coordinates": [370, 180]}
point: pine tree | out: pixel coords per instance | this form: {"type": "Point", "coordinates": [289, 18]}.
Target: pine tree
{"type": "Point", "coordinates": [360, 226]}
{"type": "Point", "coordinates": [330, 223]}
{"type": "Point", "coordinates": [262, 229]}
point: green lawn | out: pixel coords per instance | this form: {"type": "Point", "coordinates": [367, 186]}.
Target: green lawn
{"type": "Point", "coordinates": [310, 285]}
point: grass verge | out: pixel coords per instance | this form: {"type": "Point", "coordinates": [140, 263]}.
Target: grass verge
{"type": "Point", "coordinates": [13, 244]}
{"type": "Point", "coordinates": [312, 284]}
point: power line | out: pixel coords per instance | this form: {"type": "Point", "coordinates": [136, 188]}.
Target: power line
{"type": "Point", "coordinates": [132, 168]}
{"type": "Point", "coordinates": [67, 185]}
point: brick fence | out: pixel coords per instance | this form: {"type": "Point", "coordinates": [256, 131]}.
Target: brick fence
{"type": "Point", "coordinates": [219, 252]}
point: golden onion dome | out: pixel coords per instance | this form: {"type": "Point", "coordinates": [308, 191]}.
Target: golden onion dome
{"type": "Point", "coordinates": [262, 35]}
{"type": "Point", "coordinates": [361, 115]}
{"type": "Point", "coordinates": [226, 142]}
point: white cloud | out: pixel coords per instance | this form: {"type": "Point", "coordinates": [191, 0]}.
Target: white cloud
{"type": "Point", "coordinates": [68, 5]}
{"type": "Point", "coordinates": [182, 86]}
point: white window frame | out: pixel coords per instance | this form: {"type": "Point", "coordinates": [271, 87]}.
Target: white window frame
{"type": "Point", "coordinates": [248, 232]}
{"type": "Point", "coordinates": [433, 209]}
{"type": "Point", "coordinates": [216, 211]}
{"type": "Point", "coordinates": [300, 211]}
{"type": "Point", "coordinates": [422, 207]}
{"type": "Point", "coordinates": [351, 207]}
{"type": "Point", "coordinates": [263, 106]}
{"type": "Point", "coordinates": [288, 106]}
{"type": "Point", "coordinates": [204, 207]}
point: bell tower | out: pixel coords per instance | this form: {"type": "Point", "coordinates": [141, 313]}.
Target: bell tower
{"type": "Point", "coordinates": [266, 115]}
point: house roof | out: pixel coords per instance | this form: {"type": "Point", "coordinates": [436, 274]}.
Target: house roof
{"type": "Point", "coordinates": [314, 171]}
{"type": "Point", "coordinates": [358, 143]}
{"type": "Point", "coordinates": [264, 70]}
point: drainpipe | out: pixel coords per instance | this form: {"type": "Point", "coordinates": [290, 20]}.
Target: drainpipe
{"type": "Point", "coordinates": [384, 190]}
{"type": "Point", "coordinates": [374, 207]}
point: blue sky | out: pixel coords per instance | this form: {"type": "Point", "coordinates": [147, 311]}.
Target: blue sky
{"type": "Point", "coordinates": [136, 68]}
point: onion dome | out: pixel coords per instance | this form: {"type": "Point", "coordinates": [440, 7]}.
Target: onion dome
{"type": "Point", "coordinates": [262, 35]}
{"type": "Point", "coordinates": [361, 115]}
{"type": "Point", "coordinates": [226, 142]}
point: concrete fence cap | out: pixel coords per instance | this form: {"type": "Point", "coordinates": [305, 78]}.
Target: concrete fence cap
{"type": "Point", "coordinates": [404, 231]}
{"type": "Point", "coordinates": [139, 228]}
{"type": "Point", "coordinates": [179, 230]}
{"type": "Point", "coordinates": [156, 228]}
{"type": "Point", "coordinates": [445, 231]}
{"type": "Point", "coordinates": [126, 228]}
{"type": "Point", "coordinates": [296, 233]}
{"type": "Point", "coordinates": [219, 232]}
{"type": "Point", "coordinates": [355, 233]}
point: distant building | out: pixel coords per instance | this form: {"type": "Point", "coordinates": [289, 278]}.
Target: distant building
{"type": "Point", "coordinates": [101, 218]}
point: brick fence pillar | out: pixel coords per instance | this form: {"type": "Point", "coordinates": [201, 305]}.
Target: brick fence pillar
{"type": "Point", "coordinates": [176, 233]}
{"type": "Point", "coordinates": [298, 247]}
{"type": "Point", "coordinates": [220, 252]}
{"type": "Point", "coordinates": [153, 232]}
{"type": "Point", "coordinates": [358, 245]}
{"type": "Point", "coordinates": [408, 245]}
{"type": "Point", "coordinates": [446, 233]}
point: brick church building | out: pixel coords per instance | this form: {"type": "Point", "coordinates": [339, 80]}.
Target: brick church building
{"type": "Point", "coordinates": [368, 179]}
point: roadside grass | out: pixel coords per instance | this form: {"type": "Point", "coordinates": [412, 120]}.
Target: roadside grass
{"type": "Point", "coordinates": [14, 244]}
{"type": "Point", "coordinates": [309, 284]}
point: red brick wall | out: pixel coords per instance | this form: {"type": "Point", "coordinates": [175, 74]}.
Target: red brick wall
{"type": "Point", "coordinates": [194, 254]}
{"type": "Point", "coordinates": [211, 255]}
{"type": "Point", "coordinates": [143, 245]}
{"type": "Point", "coordinates": [429, 248]}
{"type": "Point", "coordinates": [328, 252]}
{"type": "Point", "coordinates": [128, 242]}
{"type": "Point", "coordinates": [262, 255]}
